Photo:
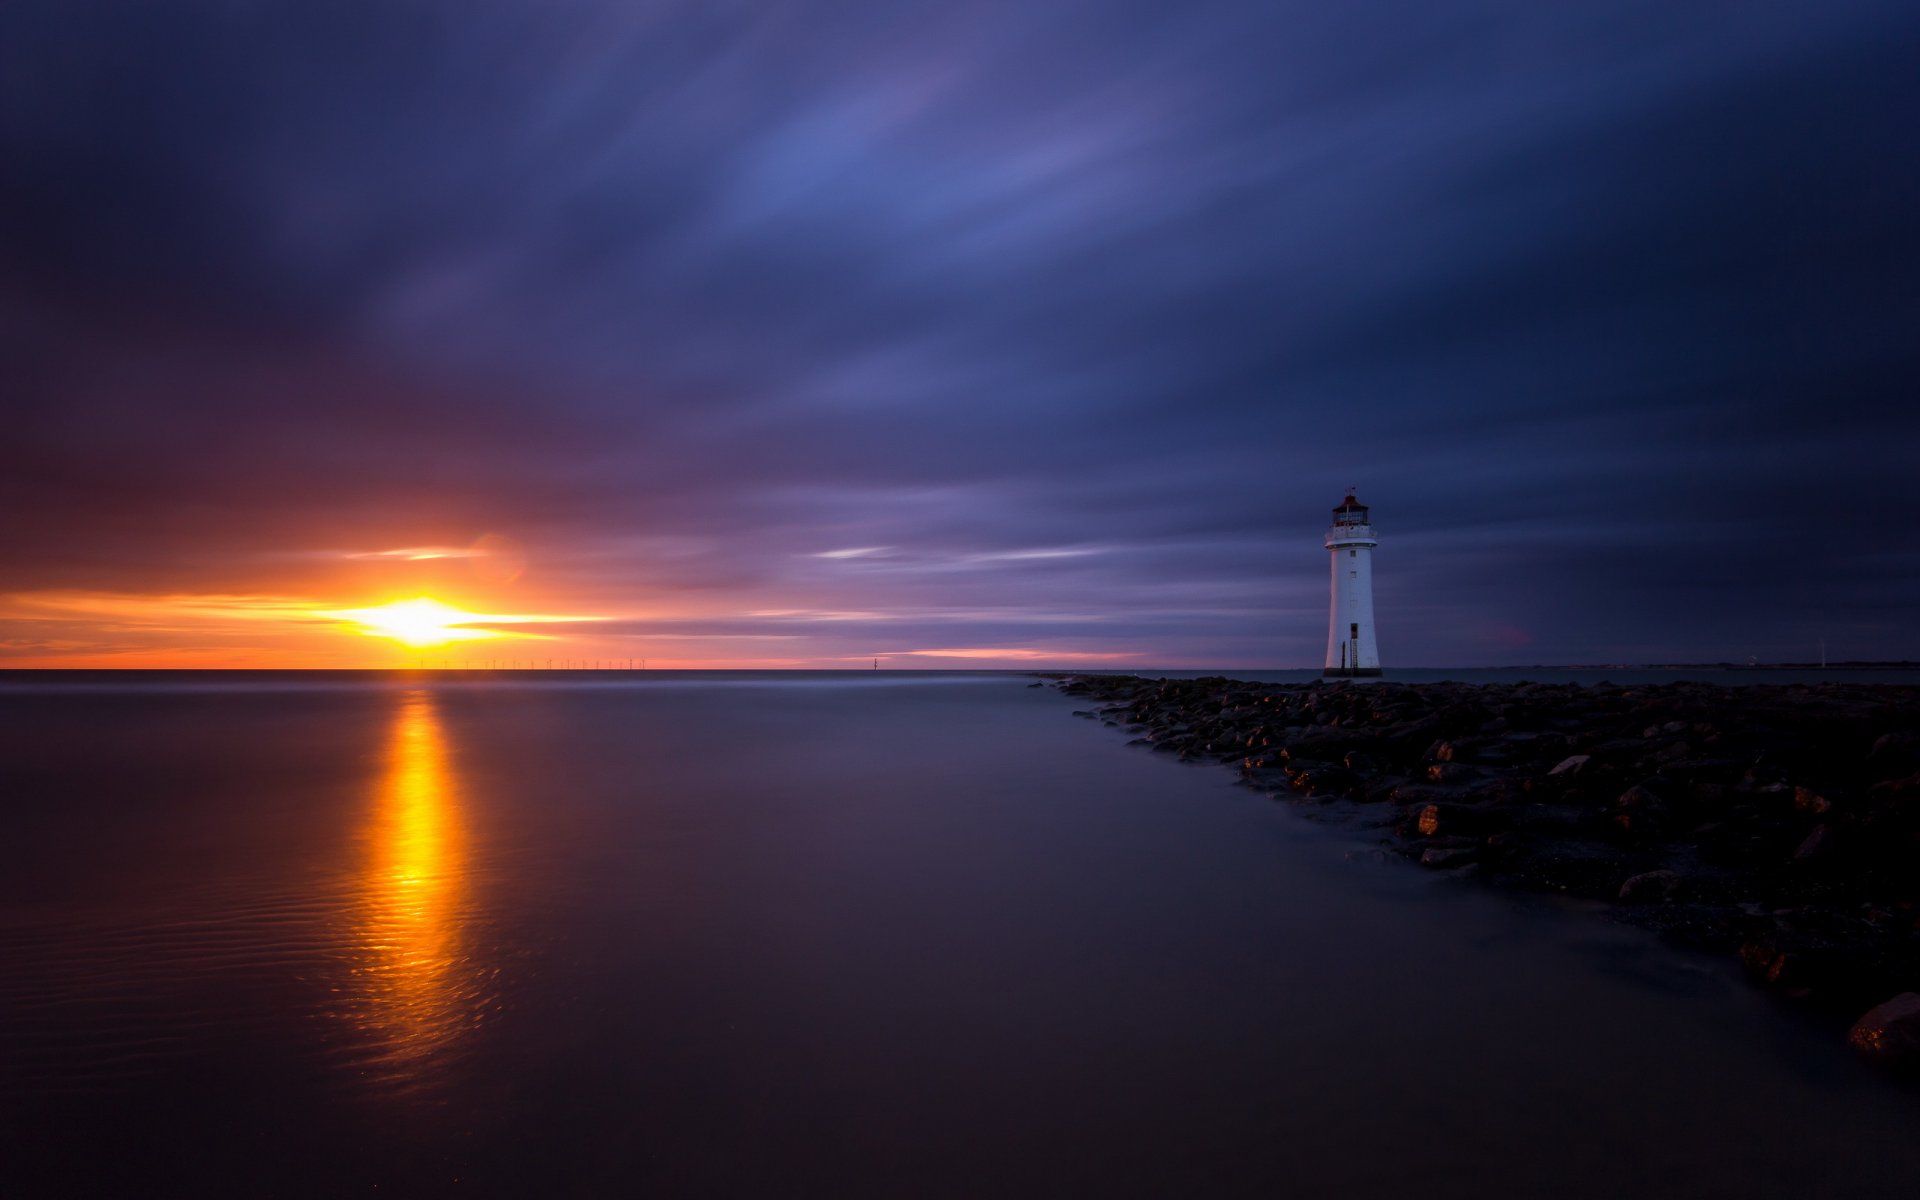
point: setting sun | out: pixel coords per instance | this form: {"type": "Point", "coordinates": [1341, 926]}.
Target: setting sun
{"type": "Point", "coordinates": [418, 623]}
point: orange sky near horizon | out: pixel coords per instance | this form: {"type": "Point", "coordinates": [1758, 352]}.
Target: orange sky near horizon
{"type": "Point", "coordinates": [439, 607]}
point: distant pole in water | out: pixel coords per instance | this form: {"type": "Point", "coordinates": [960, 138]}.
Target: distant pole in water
{"type": "Point", "coordinates": [1351, 647]}
{"type": "Point", "coordinates": [876, 664]}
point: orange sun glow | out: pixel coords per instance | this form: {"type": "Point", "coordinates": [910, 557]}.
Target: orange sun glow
{"type": "Point", "coordinates": [418, 623]}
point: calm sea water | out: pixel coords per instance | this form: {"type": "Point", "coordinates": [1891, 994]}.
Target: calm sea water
{"type": "Point", "coordinates": [805, 935]}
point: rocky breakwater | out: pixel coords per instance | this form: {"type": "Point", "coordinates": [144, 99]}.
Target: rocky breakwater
{"type": "Point", "coordinates": [1780, 824]}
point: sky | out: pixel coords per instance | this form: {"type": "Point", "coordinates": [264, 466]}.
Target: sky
{"type": "Point", "coordinates": [967, 335]}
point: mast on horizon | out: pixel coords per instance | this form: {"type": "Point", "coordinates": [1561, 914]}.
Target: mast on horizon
{"type": "Point", "coordinates": [1352, 649]}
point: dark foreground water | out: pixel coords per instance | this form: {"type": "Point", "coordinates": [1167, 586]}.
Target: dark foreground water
{"type": "Point", "coordinates": [814, 936]}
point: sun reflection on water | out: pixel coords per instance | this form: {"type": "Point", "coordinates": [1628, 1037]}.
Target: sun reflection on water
{"type": "Point", "coordinates": [417, 982]}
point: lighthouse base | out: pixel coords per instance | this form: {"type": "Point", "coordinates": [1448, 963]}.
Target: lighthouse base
{"type": "Point", "coordinates": [1351, 673]}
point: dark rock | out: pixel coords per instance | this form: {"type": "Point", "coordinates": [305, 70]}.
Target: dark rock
{"type": "Point", "coordinates": [1890, 1032]}
{"type": "Point", "coordinates": [1638, 796]}
{"type": "Point", "coordinates": [1808, 800]}
{"type": "Point", "coordinates": [1701, 770]}
{"type": "Point", "coordinates": [1440, 856]}
{"type": "Point", "coordinates": [1431, 819]}
{"type": "Point", "coordinates": [1427, 793]}
{"type": "Point", "coordinates": [1672, 752]}
{"type": "Point", "coordinates": [1572, 764]}
{"type": "Point", "coordinates": [1382, 790]}
{"type": "Point", "coordinates": [1895, 753]}
{"type": "Point", "coordinates": [1896, 788]}
{"type": "Point", "coordinates": [1761, 959]}
{"type": "Point", "coordinates": [1814, 843]}
{"type": "Point", "coordinates": [1618, 748]}
{"type": "Point", "coordinates": [1326, 780]}
{"type": "Point", "coordinates": [1642, 824]}
{"type": "Point", "coordinates": [1651, 886]}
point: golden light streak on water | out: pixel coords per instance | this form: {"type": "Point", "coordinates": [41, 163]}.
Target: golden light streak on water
{"type": "Point", "coordinates": [415, 978]}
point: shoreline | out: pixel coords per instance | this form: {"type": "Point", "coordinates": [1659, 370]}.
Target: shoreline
{"type": "Point", "coordinates": [1776, 823]}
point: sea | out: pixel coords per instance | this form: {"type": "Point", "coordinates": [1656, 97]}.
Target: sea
{"type": "Point", "coordinates": [857, 934]}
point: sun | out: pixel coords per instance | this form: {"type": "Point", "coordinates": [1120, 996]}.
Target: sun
{"type": "Point", "coordinates": [419, 623]}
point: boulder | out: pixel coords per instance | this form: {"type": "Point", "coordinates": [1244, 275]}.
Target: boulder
{"type": "Point", "coordinates": [1702, 770]}
{"type": "Point", "coordinates": [1571, 765]}
{"type": "Point", "coordinates": [1414, 792]}
{"type": "Point", "coordinates": [1472, 818]}
{"type": "Point", "coordinates": [1301, 766]}
{"type": "Point", "coordinates": [1638, 796]}
{"type": "Point", "coordinates": [1890, 1032]}
{"type": "Point", "coordinates": [1762, 960]}
{"type": "Point", "coordinates": [1650, 886]}
{"type": "Point", "coordinates": [1897, 788]}
{"type": "Point", "coordinates": [1807, 800]}
{"type": "Point", "coordinates": [1325, 780]}
{"type": "Point", "coordinates": [1895, 753]}
{"type": "Point", "coordinates": [1813, 844]}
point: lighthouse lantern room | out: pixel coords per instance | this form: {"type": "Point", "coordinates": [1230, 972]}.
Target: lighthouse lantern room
{"type": "Point", "coordinates": [1352, 649]}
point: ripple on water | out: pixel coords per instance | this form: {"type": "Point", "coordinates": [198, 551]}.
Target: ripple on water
{"type": "Point", "coordinates": [94, 1000]}
{"type": "Point", "coordinates": [365, 961]}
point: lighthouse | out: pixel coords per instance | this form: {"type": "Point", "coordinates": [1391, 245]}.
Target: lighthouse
{"type": "Point", "coordinates": [1352, 649]}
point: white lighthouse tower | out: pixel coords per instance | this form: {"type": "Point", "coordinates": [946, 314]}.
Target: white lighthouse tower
{"type": "Point", "coordinates": [1352, 649]}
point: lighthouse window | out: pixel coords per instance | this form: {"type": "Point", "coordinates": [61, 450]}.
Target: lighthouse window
{"type": "Point", "coordinates": [1353, 554]}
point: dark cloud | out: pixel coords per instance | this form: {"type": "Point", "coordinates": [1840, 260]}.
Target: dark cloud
{"type": "Point", "coordinates": [1607, 308]}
